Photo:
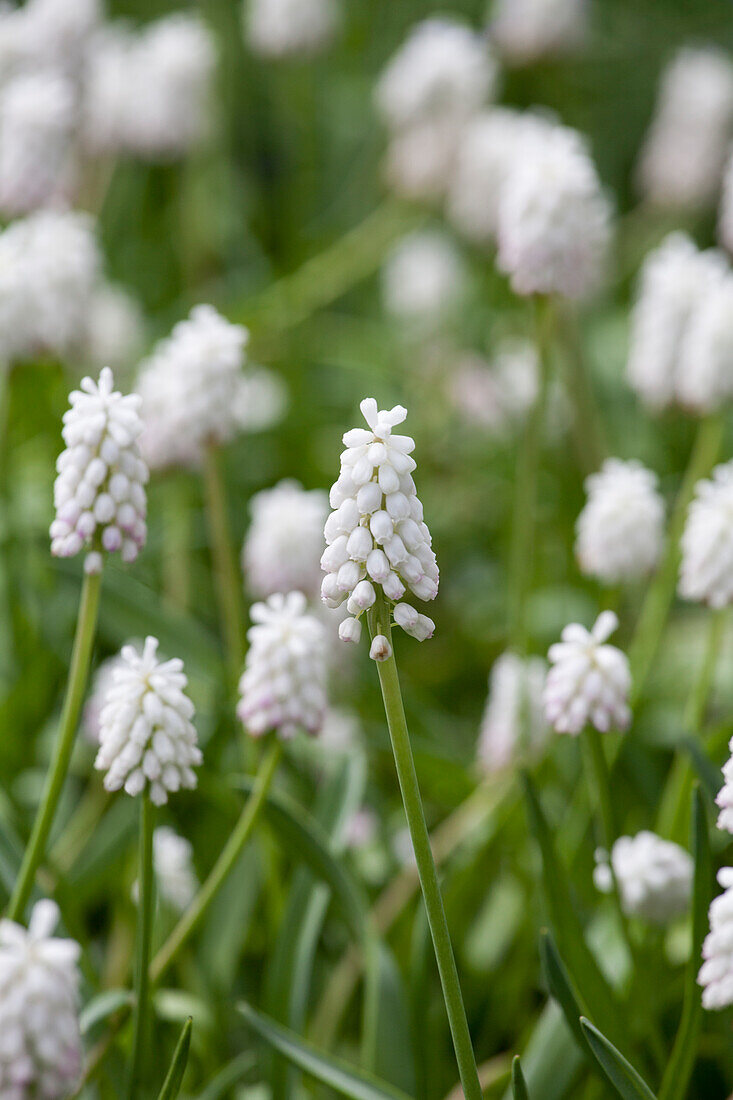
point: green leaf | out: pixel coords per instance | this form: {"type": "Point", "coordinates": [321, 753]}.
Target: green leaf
{"type": "Point", "coordinates": [559, 984]}
{"type": "Point", "coordinates": [330, 1071]}
{"type": "Point", "coordinates": [551, 1060]}
{"type": "Point", "coordinates": [174, 1077]}
{"type": "Point", "coordinates": [231, 1073]}
{"type": "Point", "coordinates": [102, 1007]}
{"type": "Point", "coordinates": [519, 1085]}
{"type": "Point", "coordinates": [618, 1072]}
{"type": "Point", "coordinates": [682, 1060]}
{"type": "Point", "coordinates": [570, 935]}
{"type": "Point", "coordinates": [387, 1043]}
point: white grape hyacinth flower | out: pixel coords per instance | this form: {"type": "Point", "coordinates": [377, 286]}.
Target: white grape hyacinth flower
{"type": "Point", "coordinates": [290, 28]}
{"type": "Point", "coordinates": [36, 118]}
{"type": "Point", "coordinates": [376, 535]}
{"type": "Point", "coordinates": [513, 720]}
{"type": "Point", "coordinates": [724, 797]}
{"type": "Point", "coordinates": [705, 375]}
{"type": "Point", "coordinates": [423, 278]}
{"type": "Point", "coordinates": [554, 221]}
{"type": "Point", "coordinates": [654, 876]}
{"type": "Point", "coordinates": [706, 570]}
{"type": "Point", "coordinates": [725, 212]}
{"type": "Point", "coordinates": [716, 972]}
{"type": "Point", "coordinates": [40, 1050]}
{"type": "Point", "coordinates": [419, 160]}
{"type": "Point", "coordinates": [99, 492]}
{"type": "Point", "coordinates": [589, 681]}
{"type": "Point", "coordinates": [684, 152]}
{"type": "Point", "coordinates": [173, 865]}
{"type": "Point", "coordinates": [620, 531]}
{"type": "Point", "coordinates": [282, 548]}
{"type": "Point", "coordinates": [147, 740]}
{"type": "Point", "coordinates": [677, 279]}
{"type": "Point", "coordinates": [525, 30]}
{"type": "Point", "coordinates": [283, 686]}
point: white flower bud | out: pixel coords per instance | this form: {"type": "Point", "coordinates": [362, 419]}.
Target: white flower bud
{"type": "Point", "coordinates": [290, 28]}
{"type": "Point", "coordinates": [146, 737]}
{"type": "Point", "coordinates": [621, 529]}
{"type": "Point", "coordinates": [513, 719]}
{"type": "Point", "coordinates": [283, 687]}
{"type": "Point", "coordinates": [380, 650]}
{"type": "Point", "coordinates": [654, 876]}
{"type": "Point", "coordinates": [589, 681]}
{"type": "Point", "coordinates": [172, 861]}
{"type": "Point", "coordinates": [716, 972]}
{"type": "Point", "coordinates": [282, 549]}
{"type": "Point", "coordinates": [706, 571]}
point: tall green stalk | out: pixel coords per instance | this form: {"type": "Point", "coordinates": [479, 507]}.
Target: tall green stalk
{"type": "Point", "coordinates": [379, 623]}
{"type": "Point", "coordinates": [75, 689]}
{"type": "Point", "coordinates": [144, 937]}
{"type": "Point", "coordinates": [228, 856]}
{"type": "Point", "coordinates": [226, 570]}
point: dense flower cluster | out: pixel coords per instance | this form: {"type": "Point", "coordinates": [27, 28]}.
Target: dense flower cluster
{"type": "Point", "coordinates": [173, 867]}
{"type": "Point", "coordinates": [99, 493]}
{"type": "Point", "coordinates": [724, 798]}
{"type": "Point", "coordinates": [716, 972]}
{"type": "Point", "coordinates": [283, 545]}
{"type": "Point", "coordinates": [684, 152]}
{"type": "Point", "coordinates": [523, 30]}
{"type": "Point", "coordinates": [40, 1046]}
{"type": "Point", "coordinates": [283, 686]}
{"type": "Point", "coordinates": [589, 680]}
{"type": "Point", "coordinates": [513, 720]}
{"type": "Point", "coordinates": [654, 876]}
{"type": "Point", "coordinates": [706, 571]}
{"type": "Point", "coordinates": [36, 117]}
{"type": "Point", "coordinates": [376, 534]}
{"type": "Point", "coordinates": [289, 28]}
{"type": "Point", "coordinates": [621, 528]}
{"type": "Point", "coordinates": [423, 277]}
{"type": "Point", "coordinates": [147, 741]}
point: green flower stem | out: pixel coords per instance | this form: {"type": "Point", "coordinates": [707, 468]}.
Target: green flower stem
{"type": "Point", "coordinates": [144, 936]}
{"type": "Point", "coordinates": [226, 570]}
{"type": "Point", "coordinates": [228, 857]}
{"type": "Point", "coordinates": [389, 682]}
{"type": "Point", "coordinates": [75, 688]}
{"type": "Point", "coordinates": [600, 784]}
{"type": "Point", "coordinates": [654, 610]}
{"type": "Point", "coordinates": [525, 487]}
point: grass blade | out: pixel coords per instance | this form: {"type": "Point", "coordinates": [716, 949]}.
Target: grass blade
{"type": "Point", "coordinates": [519, 1085]}
{"type": "Point", "coordinates": [559, 984]}
{"type": "Point", "coordinates": [174, 1077]}
{"type": "Point", "coordinates": [345, 1079]}
{"type": "Point", "coordinates": [618, 1072]}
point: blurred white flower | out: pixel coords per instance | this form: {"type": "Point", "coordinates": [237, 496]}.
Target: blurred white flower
{"type": "Point", "coordinates": [361, 828]}
{"type": "Point", "coordinates": [403, 848]}
{"type": "Point", "coordinates": [554, 221]}
{"type": "Point", "coordinates": [684, 152]}
{"type": "Point", "coordinates": [289, 28]}
{"type": "Point", "coordinates": [423, 278]}
{"type": "Point", "coordinates": [190, 388]}
{"type": "Point", "coordinates": [705, 374]}
{"type": "Point", "coordinates": [147, 739]}
{"type": "Point", "coordinates": [676, 279]}
{"type": "Point", "coordinates": [40, 1051]}
{"type": "Point", "coordinates": [444, 70]}
{"type": "Point", "coordinates": [621, 528]}
{"type": "Point", "coordinates": [114, 327]}
{"type": "Point", "coordinates": [282, 548]}
{"type": "Point", "coordinates": [589, 680]}
{"type": "Point", "coordinates": [654, 876]}
{"type": "Point", "coordinates": [419, 160]}
{"type": "Point", "coordinates": [36, 118]}
{"type": "Point", "coordinates": [49, 264]}
{"type": "Point", "coordinates": [260, 400]}
{"type": "Point", "coordinates": [513, 720]}
{"type": "Point", "coordinates": [340, 732]}
{"type": "Point", "coordinates": [376, 534]}
{"type": "Point", "coordinates": [716, 972]}
{"type": "Point", "coordinates": [173, 865]}
{"type": "Point", "coordinates": [706, 571]}
{"type": "Point", "coordinates": [496, 394]}
{"type": "Point", "coordinates": [524, 30]}
{"type": "Point", "coordinates": [99, 493]}
{"type": "Point", "coordinates": [283, 686]}
{"type": "Point", "coordinates": [48, 34]}
{"type": "Point", "coordinates": [724, 797]}
{"type": "Point", "coordinates": [725, 213]}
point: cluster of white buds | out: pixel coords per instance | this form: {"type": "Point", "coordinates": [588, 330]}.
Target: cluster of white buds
{"type": "Point", "coordinates": [289, 28]}
{"type": "Point", "coordinates": [376, 534]}
{"type": "Point", "coordinates": [190, 388]}
{"type": "Point", "coordinates": [620, 531]}
{"type": "Point", "coordinates": [49, 34]}
{"type": "Point", "coordinates": [40, 1044]}
{"type": "Point", "coordinates": [724, 798]}
{"type": "Point", "coordinates": [147, 741]}
{"type": "Point", "coordinates": [589, 680]}
{"type": "Point", "coordinates": [524, 30]}
{"type": "Point", "coordinates": [553, 219]}
{"type": "Point", "coordinates": [99, 493]}
{"type": "Point", "coordinates": [706, 570]}
{"type": "Point", "coordinates": [684, 152]}
{"type": "Point", "coordinates": [513, 720]}
{"type": "Point", "coordinates": [496, 394]}
{"type": "Point", "coordinates": [283, 545]}
{"type": "Point", "coordinates": [654, 876]}
{"type": "Point", "coordinates": [716, 972]}
{"type": "Point", "coordinates": [36, 118]}
{"type": "Point", "coordinates": [49, 265]}
{"type": "Point", "coordinates": [679, 345]}
{"type": "Point", "coordinates": [283, 686]}
{"type": "Point", "coordinates": [173, 864]}
{"type": "Point", "coordinates": [423, 278]}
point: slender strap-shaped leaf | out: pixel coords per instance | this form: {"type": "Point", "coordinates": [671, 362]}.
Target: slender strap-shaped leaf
{"type": "Point", "coordinates": [560, 986]}
{"type": "Point", "coordinates": [682, 1060]}
{"type": "Point", "coordinates": [618, 1072]}
{"type": "Point", "coordinates": [579, 959]}
{"type": "Point", "coordinates": [103, 1006]}
{"type": "Point", "coordinates": [519, 1085]}
{"type": "Point", "coordinates": [551, 1061]}
{"type": "Point", "coordinates": [232, 1072]}
{"type": "Point", "coordinates": [345, 1079]}
{"type": "Point", "coordinates": [174, 1076]}
{"type": "Point", "coordinates": [386, 1039]}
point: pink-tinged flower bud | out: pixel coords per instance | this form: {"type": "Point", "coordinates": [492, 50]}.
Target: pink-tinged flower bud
{"type": "Point", "coordinates": [380, 650]}
{"type": "Point", "coordinates": [350, 630]}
